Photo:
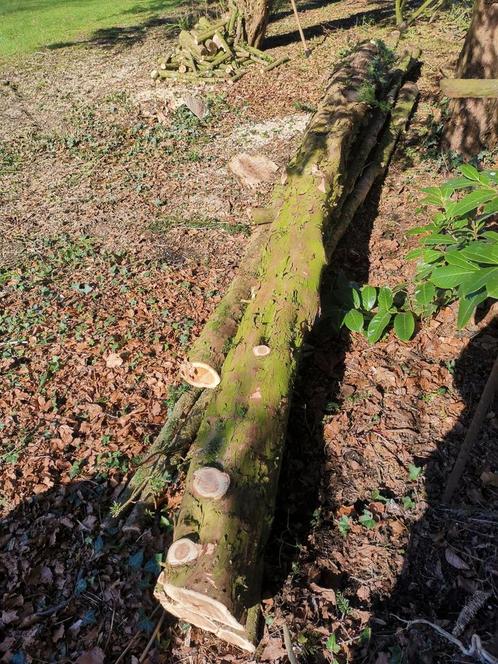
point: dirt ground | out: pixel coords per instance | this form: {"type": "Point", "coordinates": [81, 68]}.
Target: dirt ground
{"type": "Point", "coordinates": [121, 226]}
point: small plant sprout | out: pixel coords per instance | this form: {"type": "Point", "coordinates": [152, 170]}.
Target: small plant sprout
{"type": "Point", "coordinates": [344, 525]}
{"type": "Point", "coordinates": [414, 472]}
{"type": "Point", "coordinates": [332, 644]}
{"type": "Point", "coordinates": [367, 520]}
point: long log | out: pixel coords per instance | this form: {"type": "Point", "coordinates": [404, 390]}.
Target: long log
{"type": "Point", "coordinates": [475, 88]}
{"type": "Point", "coordinates": [213, 571]}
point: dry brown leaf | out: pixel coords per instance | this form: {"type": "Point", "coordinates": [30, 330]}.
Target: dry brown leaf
{"type": "Point", "coordinates": [253, 169]}
{"type": "Point", "coordinates": [113, 360]}
{"type": "Point", "coordinates": [273, 650]}
{"type": "Point", "coordinates": [93, 656]}
{"type": "Point", "coordinates": [454, 560]}
{"type": "Point", "coordinates": [196, 105]}
{"type": "Point", "coordinates": [326, 593]}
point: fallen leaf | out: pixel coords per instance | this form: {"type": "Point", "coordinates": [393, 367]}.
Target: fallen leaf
{"type": "Point", "coordinates": [273, 650]}
{"type": "Point", "coordinates": [252, 169]}
{"type": "Point", "coordinates": [196, 105]}
{"type": "Point", "coordinates": [93, 656]}
{"type": "Point", "coordinates": [326, 593]}
{"type": "Point", "coordinates": [113, 360]}
{"type": "Point", "coordinates": [454, 560]}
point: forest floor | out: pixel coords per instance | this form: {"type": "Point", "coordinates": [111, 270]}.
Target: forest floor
{"type": "Point", "coordinates": [121, 226]}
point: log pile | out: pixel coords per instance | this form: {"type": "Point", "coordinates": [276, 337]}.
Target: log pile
{"type": "Point", "coordinates": [243, 365]}
{"type": "Point", "coordinates": [213, 51]}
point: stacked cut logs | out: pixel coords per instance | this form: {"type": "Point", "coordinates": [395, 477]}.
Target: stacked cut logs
{"type": "Point", "coordinates": [213, 50]}
{"type": "Point", "coordinates": [242, 367]}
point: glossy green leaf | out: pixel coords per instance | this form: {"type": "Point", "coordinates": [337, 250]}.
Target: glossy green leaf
{"type": "Point", "coordinates": [469, 171]}
{"type": "Point", "coordinates": [354, 320]}
{"type": "Point", "coordinates": [385, 298]}
{"type": "Point", "coordinates": [470, 202]}
{"type": "Point", "coordinates": [468, 305]}
{"type": "Point", "coordinates": [459, 259]}
{"type": "Point", "coordinates": [492, 286]}
{"type": "Point", "coordinates": [477, 280]}
{"type": "Point", "coordinates": [482, 252]}
{"type": "Point", "coordinates": [450, 276]}
{"type": "Point", "coordinates": [424, 293]}
{"type": "Point", "coordinates": [404, 325]}
{"type": "Point", "coordinates": [377, 326]}
{"type": "Point", "coordinates": [431, 255]}
{"type": "Point", "coordinates": [418, 230]}
{"type": "Point", "coordinates": [356, 298]}
{"type": "Point", "coordinates": [368, 297]}
{"type": "Point", "coordinates": [437, 238]}
{"type": "Point", "coordinates": [414, 253]}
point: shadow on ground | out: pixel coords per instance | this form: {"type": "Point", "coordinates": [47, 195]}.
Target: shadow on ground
{"type": "Point", "coordinates": [375, 15]}
{"type": "Point", "coordinates": [451, 556]}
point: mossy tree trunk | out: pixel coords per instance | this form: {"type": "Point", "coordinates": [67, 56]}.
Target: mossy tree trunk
{"type": "Point", "coordinates": [472, 123]}
{"type": "Point", "coordinates": [213, 572]}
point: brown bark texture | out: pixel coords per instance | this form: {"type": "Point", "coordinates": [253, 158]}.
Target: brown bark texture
{"type": "Point", "coordinates": [472, 125]}
{"type": "Point", "coordinates": [256, 15]}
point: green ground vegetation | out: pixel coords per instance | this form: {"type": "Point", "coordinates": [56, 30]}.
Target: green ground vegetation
{"type": "Point", "coordinates": [28, 25]}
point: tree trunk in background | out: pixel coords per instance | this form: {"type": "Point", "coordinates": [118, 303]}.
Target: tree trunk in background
{"type": "Point", "coordinates": [472, 124]}
{"type": "Point", "coordinates": [256, 15]}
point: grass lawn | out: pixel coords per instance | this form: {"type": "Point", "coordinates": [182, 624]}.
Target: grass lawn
{"type": "Point", "coordinates": [27, 25]}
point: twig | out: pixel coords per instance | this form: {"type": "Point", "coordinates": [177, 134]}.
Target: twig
{"type": "Point", "coordinates": [133, 639]}
{"type": "Point", "coordinates": [288, 645]}
{"type": "Point", "coordinates": [152, 639]}
{"type": "Point", "coordinates": [472, 433]}
{"type": "Point", "coordinates": [474, 650]}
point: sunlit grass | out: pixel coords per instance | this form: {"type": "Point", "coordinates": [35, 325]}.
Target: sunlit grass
{"type": "Point", "coordinates": [28, 25]}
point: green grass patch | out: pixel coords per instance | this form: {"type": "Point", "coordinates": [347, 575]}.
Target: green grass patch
{"type": "Point", "coordinates": [27, 25]}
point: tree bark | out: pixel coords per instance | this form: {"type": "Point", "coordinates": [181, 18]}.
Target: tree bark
{"type": "Point", "coordinates": [472, 125]}
{"type": "Point", "coordinates": [213, 573]}
{"type": "Point", "coordinates": [256, 15]}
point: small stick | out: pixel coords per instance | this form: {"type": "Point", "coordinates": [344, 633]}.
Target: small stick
{"type": "Point", "coordinates": [474, 650]}
{"type": "Point", "coordinates": [152, 638]}
{"type": "Point", "coordinates": [307, 51]}
{"type": "Point", "coordinates": [288, 645]}
{"type": "Point", "coordinates": [472, 433]}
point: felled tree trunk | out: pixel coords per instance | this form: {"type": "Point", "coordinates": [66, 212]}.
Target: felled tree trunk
{"type": "Point", "coordinates": [472, 123]}
{"type": "Point", "coordinates": [213, 568]}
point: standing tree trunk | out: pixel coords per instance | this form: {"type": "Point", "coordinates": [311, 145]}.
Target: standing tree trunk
{"type": "Point", "coordinates": [472, 124]}
{"type": "Point", "coordinates": [256, 15]}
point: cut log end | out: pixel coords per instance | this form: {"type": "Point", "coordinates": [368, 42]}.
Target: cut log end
{"type": "Point", "coordinates": [182, 552]}
{"type": "Point", "coordinates": [210, 483]}
{"type": "Point", "coordinates": [190, 613]}
{"type": "Point", "coordinates": [261, 351]}
{"type": "Point", "coordinates": [199, 374]}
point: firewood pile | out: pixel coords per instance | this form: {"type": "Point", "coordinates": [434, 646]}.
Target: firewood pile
{"type": "Point", "coordinates": [213, 50]}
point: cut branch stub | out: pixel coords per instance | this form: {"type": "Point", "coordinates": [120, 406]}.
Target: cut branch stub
{"type": "Point", "coordinates": [200, 374]}
{"type": "Point", "coordinates": [210, 482]}
{"type": "Point", "coordinates": [182, 552]}
{"type": "Point", "coordinates": [261, 351]}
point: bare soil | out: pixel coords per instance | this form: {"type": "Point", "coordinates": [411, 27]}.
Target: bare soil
{"type": "Point", "coordinates": [121, 226]}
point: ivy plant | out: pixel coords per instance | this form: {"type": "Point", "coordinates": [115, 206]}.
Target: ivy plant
{"type": "Point", "coordinates": [457, 260]}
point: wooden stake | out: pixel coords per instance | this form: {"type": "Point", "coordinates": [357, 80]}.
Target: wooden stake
{"type": "Point", "coordinates": [307, 51]}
